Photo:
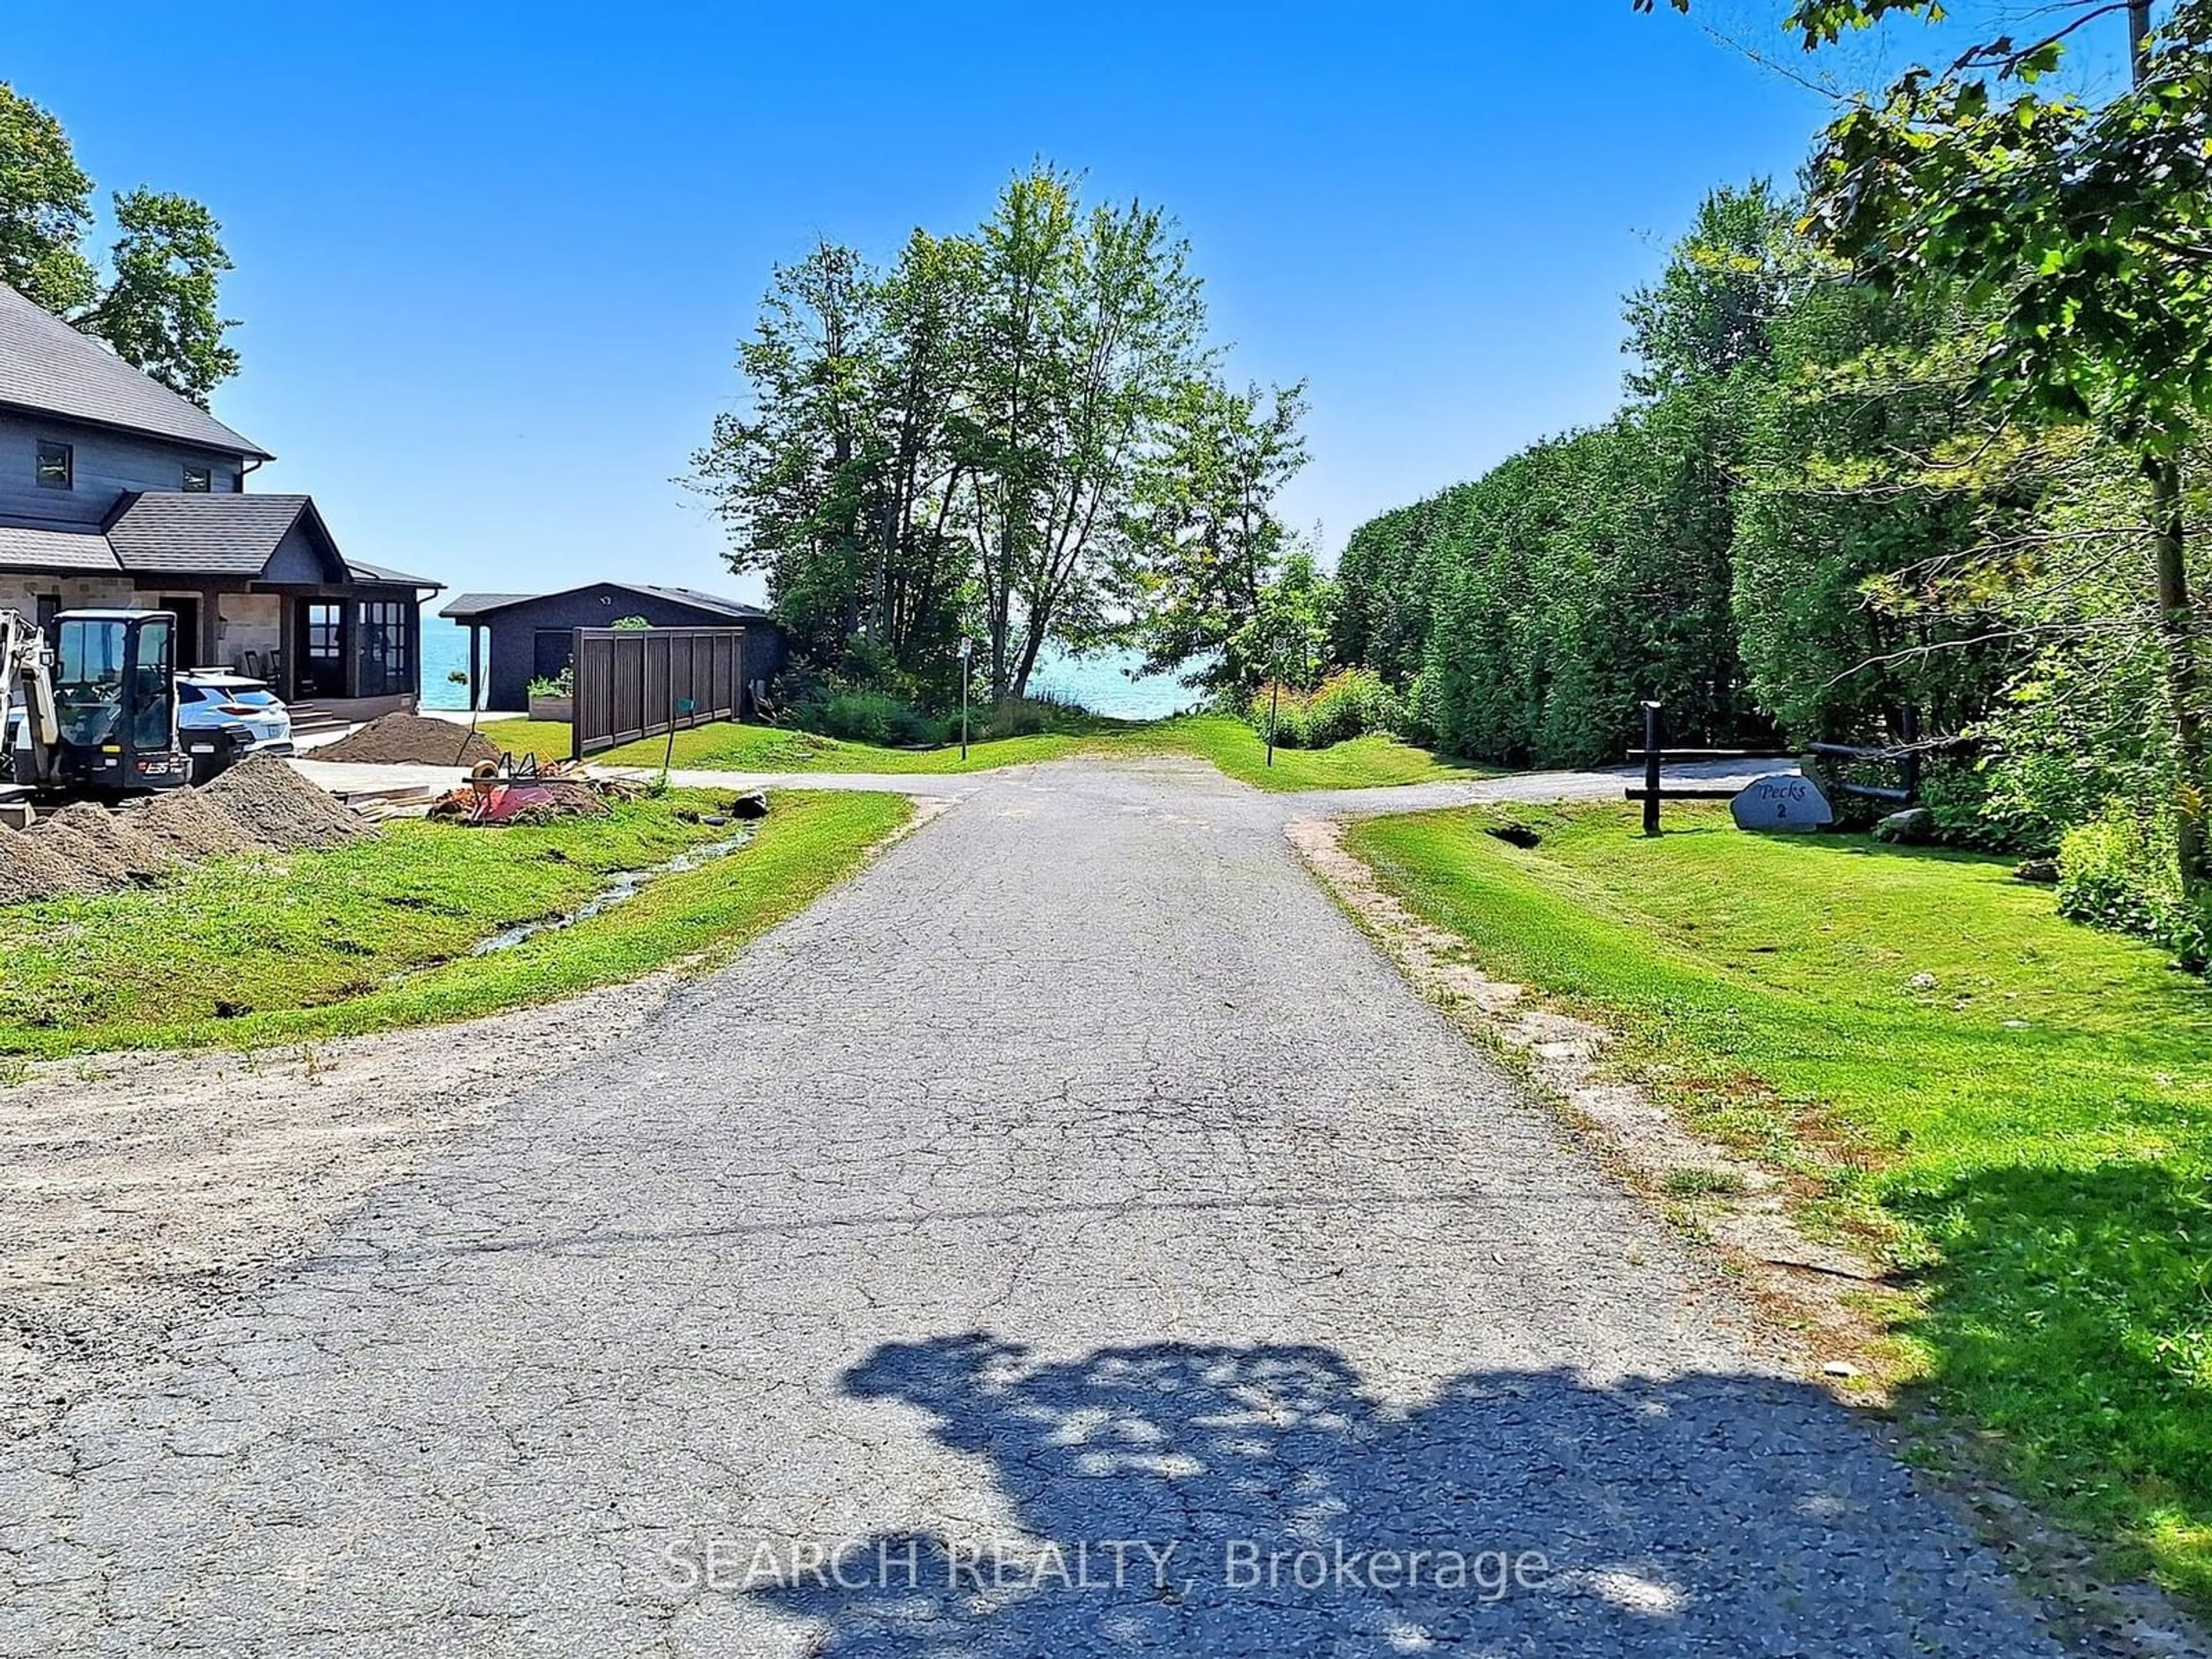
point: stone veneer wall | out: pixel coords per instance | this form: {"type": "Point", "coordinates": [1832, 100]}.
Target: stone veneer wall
{"type": "Point", "coordinates": [19, 592]}
{"type": "Point", "coordinates": [249, 622]}
{"type": "Point", "coordinates": [244, 622]}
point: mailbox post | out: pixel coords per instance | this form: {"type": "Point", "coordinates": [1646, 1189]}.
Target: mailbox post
{"type": "Point", "coordinates": [1651, 757]}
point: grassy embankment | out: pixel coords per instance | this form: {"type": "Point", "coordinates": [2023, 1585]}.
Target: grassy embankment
{"type": "Point", "coordinates": [225, 955]}
{"type": "Point", "coordinates": [725, 746]}
{"type": "Point", "coordinates": [1229, 744]}
{"type": "Point", "coordinates": [2017, 1111]}
{"type": "Point", "coordinates": [1236, 749]}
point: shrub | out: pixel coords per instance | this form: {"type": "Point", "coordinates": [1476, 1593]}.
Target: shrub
{"type": "Point", "coordinates": [859, 716]}
{"type": "Point", "coordinates": [2119, 872]}
{"type": "Point", "coordinates": [1972, 811]}
{"type": "Point", "coordinates": [563, 684]}
{"type": "Point", "coordinates": [1352, 702]}
{"type": "Point", "coordinates": [1017, 717]}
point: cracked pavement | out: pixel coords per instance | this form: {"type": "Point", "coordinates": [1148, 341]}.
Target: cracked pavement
{"type": "Point", "coordinates": [1076, 1173]}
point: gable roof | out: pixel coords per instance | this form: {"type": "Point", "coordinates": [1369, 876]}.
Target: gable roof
{"type": "Point", "coordinates": [175, 532]}
{"type": "Point", "coordinates": [469, 607]}
{"type": "Point", "coordinates": [48, 366]}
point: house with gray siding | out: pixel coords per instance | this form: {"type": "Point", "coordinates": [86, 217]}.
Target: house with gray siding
{"type": "Point", "coordinates": [516, 638]}
{"type": "Point", "coordinates": [117, 492]}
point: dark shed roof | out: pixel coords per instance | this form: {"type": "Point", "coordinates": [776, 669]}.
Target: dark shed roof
{"type": "Point", "coordinates": [462, 606]}
{"type": "Point", "coordinates": [47, 366]}
{"type": "Point", "coordinates": [733, 608]}
{"type": "Point", "coordinates": [471, 607]}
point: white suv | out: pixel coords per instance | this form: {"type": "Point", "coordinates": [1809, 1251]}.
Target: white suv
{"type": "Point", "coordinates": [223, 718]}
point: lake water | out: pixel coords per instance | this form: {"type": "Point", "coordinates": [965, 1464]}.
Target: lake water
{"type": "Point", "coordinates": [1105, 683]}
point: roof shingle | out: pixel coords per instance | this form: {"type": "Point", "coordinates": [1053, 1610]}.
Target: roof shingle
{"type": "Point", "coordinates": [466, 606]}
{"type": "Point", "coordinates": [463, 605]}
{"type": "Point", "coordinates": [55, 550]}
{"type": "Point", "coordinates": [176, 532]}
{"type": "Point", "coordinates": [47, 365]}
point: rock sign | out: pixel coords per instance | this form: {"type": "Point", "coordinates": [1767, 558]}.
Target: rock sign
{"type": "Point", "coordinates": [1783, 800]}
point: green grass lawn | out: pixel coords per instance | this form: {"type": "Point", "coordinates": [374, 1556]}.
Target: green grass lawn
{"type": "Point", "coordinates": [1229, 744]}
{"type": "Point", "coordinates": [725, 746]}
{"type": "Point", "coordinates": [2017, 1109]}
{"type": "Point", "coordinates": [1360, 764]}
{"type": "Point", "coordinates": [255, 950]}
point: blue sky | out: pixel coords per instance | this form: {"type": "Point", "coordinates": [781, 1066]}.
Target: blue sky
{"type": "Point", "coordinates": [493, 257]}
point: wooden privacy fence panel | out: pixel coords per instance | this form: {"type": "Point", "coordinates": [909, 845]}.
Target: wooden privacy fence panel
{"type": "Point", "coordinates": [632, 683]}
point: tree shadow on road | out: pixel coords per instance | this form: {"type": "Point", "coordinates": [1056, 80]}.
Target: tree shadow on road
{"type": "Point", "coordinates": [1733, 1515]}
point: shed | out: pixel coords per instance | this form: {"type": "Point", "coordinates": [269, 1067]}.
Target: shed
{"type": "Point", "coordinates": [515, 638]}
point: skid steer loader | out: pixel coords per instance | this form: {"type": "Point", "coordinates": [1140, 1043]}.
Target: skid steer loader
{"type": "Point", "coordinates": [93, 711]}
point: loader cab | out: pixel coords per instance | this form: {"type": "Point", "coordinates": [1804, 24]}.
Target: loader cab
{"type": "Point", "coordinates": [115, 701]}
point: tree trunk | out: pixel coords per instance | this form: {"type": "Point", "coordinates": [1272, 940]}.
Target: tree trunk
{"type": "Point", "coordinates": [2177, 614]}
{"type": "Point", "coordinates": [2177, 621]}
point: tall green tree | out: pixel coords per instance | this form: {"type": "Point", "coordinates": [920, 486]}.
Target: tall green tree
{"type": "Point", "coordinates": [1014, 431]}
{"type": "Point", "coordinates": [158, 299]}
{"type": "Point", "coordinates": [1286, 637]}
{"type": "Point", "coordinates": [1201, 542]}
{"type": "Point", "coordinates": [840, 484]}
{"type": "Point", "coordinates": [1528, 611]}
{"type": "Point", "coordinates": [1088, 326]}
{"type": "Point", "coordinates": [786, 479]}
{"type": "Point", "coordinates": [2081, 234]}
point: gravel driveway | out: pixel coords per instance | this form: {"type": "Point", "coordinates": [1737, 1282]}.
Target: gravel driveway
{"type": "Point", "coordinates": [1068, 1238]}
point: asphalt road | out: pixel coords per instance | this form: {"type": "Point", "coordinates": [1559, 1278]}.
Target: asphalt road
{"type": "Point", "coordinates": [1069, 1238]}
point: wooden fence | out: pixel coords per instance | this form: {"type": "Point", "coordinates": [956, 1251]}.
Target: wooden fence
{"type": "Point", "coordinates": [633, 683]}
{"type": "Point", "coordinates": [1655, 755]}
{"type": "Point", "coordinates": [1906, 755]}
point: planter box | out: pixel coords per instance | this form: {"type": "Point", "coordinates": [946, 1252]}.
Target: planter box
{"type": "Point", "coordinates": [552, 708]}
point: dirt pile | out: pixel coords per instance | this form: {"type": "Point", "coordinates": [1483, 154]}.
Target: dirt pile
{"type": "Point", "coordinates": [260, 805]}
{"type": "Point", "coordinates": [280, 809]}
{"type": "Point", "coordinates": [118, 833]}
{"type": "Point", "coordinates": [187, 824]}
{"type": "Point", "coordinates": [32, 869]}
{"type": "Point", "coordinates": [90, 855]}
{"type": "Point", "coordinates": [409, 739]}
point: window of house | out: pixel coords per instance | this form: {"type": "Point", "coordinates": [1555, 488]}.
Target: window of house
{"type": "Point", "coordinates": [57, 465]}
{"type": "Point", "coordinates": [198, 480]}
{"type": "Point", "coordinates": [326, 631]}
{"type": "Point", "coordinates": [386, 663]}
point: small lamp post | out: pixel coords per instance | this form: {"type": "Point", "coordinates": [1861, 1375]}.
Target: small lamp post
{"type": "Point", "coordinates": [967, 652]}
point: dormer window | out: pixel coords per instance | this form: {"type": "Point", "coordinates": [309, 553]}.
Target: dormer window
{"type": "Point", "coordinates": [198, 480]}
{"type": "Point", "coordinates": [57, 465]}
